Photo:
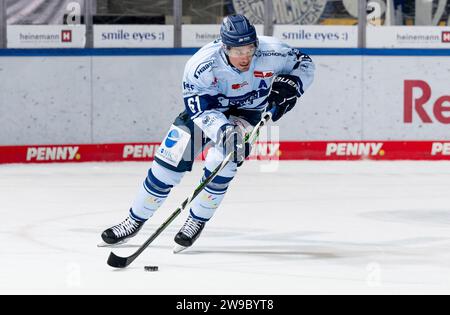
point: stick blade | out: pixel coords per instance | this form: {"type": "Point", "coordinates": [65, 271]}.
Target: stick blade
{"type": "Point", "coordinates": [117, 262]}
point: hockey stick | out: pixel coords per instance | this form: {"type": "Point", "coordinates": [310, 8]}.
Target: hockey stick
{"type": "Point", "coordinates": [122, 262]}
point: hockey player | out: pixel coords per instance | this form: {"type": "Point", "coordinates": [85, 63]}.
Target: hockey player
{"type": "Point", "coordinates": [227, 86]}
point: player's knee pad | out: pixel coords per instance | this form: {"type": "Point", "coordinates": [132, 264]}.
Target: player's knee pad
{"type": "Point", "coordinates": [164, 175]}
{"type": "Point", "coordinates": [246, 129]}
{"type": "Point", "coordinates": [214, 158]}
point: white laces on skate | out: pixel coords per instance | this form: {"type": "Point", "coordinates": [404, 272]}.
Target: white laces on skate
{"type": "Point", "coordinates": [125, 228]}
{"type": "Point", "coordinates": [191, 227]}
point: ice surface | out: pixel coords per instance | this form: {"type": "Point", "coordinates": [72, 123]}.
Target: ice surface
{"type": "Point", "coordinates": [310, 227]}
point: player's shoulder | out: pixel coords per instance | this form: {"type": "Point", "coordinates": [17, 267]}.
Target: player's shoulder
{"type": "Point", "coordinates": [202, 63]}
{"type": "Point", "coordinates": [272, 44]}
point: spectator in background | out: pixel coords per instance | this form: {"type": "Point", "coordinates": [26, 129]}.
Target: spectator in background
{"type": "Point", "coordinates": [38, 12]}
{"type": "Point", "coordinates": [399, 6]}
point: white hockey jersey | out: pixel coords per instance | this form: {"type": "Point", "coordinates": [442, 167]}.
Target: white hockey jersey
{"type": "Point", "coordinates": [211, 85]}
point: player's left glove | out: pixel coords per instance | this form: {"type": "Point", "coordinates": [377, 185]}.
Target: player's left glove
{"type": "Point", "coordinates": [284, 94]}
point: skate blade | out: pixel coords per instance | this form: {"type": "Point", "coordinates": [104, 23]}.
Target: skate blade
{"type": "Point", "coordinates": [178, 249]}
{"type": "Point", "coordinates": [106, 245]}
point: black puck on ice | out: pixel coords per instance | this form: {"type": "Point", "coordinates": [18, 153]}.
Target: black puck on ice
{"type": "Point", "coordinates": [151, 268]}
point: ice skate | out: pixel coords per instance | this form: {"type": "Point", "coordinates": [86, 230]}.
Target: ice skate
{"type": "Point", "coordinates": [122, 232]}
{"type": "Point", "coordinates": [188, 234]}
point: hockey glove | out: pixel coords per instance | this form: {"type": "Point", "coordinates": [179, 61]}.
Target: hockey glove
{"type": "Point", "coordinates": [282, 98]}
{"type": "Point", "coordinates": [232, 142]}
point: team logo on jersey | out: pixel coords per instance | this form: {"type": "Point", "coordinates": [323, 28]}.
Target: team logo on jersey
{"type": "Point", "coordinates": [203, 67]}
{"type": "Point", "coordinates": [285, 11]}
{"type": "Point", "coordinates": [263, 74]}
{"type": "Point", "coordinates": [239, 85]}
{"type": "Point", "coordinates": [262, 85]}
{"type": "Point", "coordinates": [172, 138]}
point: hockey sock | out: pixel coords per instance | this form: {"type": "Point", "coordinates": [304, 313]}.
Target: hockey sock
{"type": "Point", "coordinates": [150, 197]}
{"type": "Point", "coordinates": [205, 205]}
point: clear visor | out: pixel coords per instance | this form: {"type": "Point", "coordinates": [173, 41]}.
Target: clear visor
{"type": "Point", "coordinates": [244, 51]}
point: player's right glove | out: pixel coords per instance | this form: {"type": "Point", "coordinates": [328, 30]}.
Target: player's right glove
{"type": "Point", "coordinates": [231, 141]}
{"type": "Point", "coordinates": [283, 96]}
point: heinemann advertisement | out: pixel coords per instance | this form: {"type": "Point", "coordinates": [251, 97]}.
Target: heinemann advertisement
{"type": "Point", "coordinates": [408, 37]}
{"type": "Point", "coordinates": [46, 36]}
{"type": "Point", "coordinates": [198, 35]}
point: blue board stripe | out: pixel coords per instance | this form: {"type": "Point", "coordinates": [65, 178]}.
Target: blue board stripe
{"type": "Point", "coordinates": [190, 51]}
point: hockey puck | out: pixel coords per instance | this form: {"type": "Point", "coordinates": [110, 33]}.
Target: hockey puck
{"type": "Point", "coordinates": [151, 268]}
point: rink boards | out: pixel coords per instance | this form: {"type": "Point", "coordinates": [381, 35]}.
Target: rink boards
{"type": "Point", "coordinates": [285, 150]}
{"type": "Point", "coordinates": [118, 104]}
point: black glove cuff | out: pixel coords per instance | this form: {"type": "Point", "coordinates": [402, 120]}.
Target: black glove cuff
{"type": "Point", "coordinates": [287, 85]}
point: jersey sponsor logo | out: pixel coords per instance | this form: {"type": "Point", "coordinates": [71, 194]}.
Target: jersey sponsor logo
{"type": "Point", "coordinates": [202, 68]}
{"type": "Point", "coordinates": [172, 149]}
{"type": "Point", "coordinates": [243, 100]}
{"type": "Point", "coordinates": [206, 120]}
{"type": "Point", "coordinates": [440, 148]}
{"type": "Point", "coordinates": [239, 85]}
{"type": "Point", "coordinates": [355, 149]}
{"type": "Point", "coordinates": [139, 151]}
{"type": "Point", "coordinates": [269, 53]}
{"type": "Point", "coordinates": [285, 11]}
{"type": "Point", "coordinates": [172, 138]}
{"type": "Point", "coordinates": [188, 87]}
{"type": "Point", "coordinates": [263, 74]}
{"type": "Point", "coordinates": [446, 37]}
{"type": "Point", "coordinates": [209, 120]}
{"type": "Point", "coordinates": [65, 153]}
